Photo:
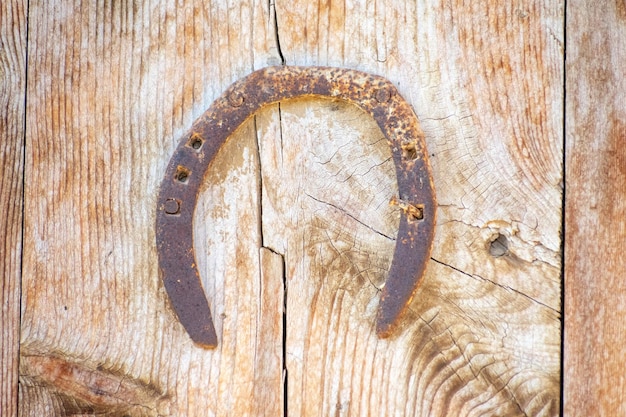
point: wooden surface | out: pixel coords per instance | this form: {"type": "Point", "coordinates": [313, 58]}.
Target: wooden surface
{"type": "Point", "coordinates": [294, 229]}
{"type": "Point", "coordinates": [12, 94]}
{"type": "Point", "coordinates": [594, 353]}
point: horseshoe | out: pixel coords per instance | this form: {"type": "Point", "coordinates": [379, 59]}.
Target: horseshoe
{"type": "Point", "coordinates": [179, 189]}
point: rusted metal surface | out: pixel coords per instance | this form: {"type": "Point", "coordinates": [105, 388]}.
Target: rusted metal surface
{"type": "Point", "coordinates": [179, 189]}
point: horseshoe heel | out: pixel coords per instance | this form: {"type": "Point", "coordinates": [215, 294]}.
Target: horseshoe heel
{"type": "Point", "coordinates": [179, 189]}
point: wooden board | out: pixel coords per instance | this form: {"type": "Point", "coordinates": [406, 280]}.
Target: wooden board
{"type": "Point", "coordinates": [294, 229]}
{"type": "Point", "coordinates": [595, 209]}
{"type": "Point", "coordinates": [12, 113]}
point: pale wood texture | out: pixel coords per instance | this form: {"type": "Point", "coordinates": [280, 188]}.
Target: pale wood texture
{"type": "Point", "coordinates": [12, 113]}
{"type": "Point", "coordinates": [594, 340]}
{"type": "Point", "coordinates": [293, 229]}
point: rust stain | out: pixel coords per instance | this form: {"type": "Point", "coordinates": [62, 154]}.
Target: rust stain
{"type": "Point", "coordinates": [179, 190]}
{"type": "Point", "coordinates": [610, 178]}
{"type": "Point", "coordinates": [620, 6]}
{"type": "Point", "coordinates": [92, 385]}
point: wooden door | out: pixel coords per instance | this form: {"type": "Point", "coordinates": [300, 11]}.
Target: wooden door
{"type": "Point", "coordinates": [294, 230]}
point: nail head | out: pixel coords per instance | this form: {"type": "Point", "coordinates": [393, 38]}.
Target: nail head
{"type": "Point", "coordinates": [172, 206]}
{"type": "Point", "coordinates": [236, 99]}
{"type": "Point", "coordinates": [382, 95]}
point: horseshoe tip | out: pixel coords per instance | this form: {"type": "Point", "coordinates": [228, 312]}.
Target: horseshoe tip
{"type": "Point", "coordinates": [385, 323]}
{"type": "Point", "coordinates": [383, 332]}
{"type": "Point", "coordinates": [206, 345]}
{"type": "Point", "coordinates": [205, 337]}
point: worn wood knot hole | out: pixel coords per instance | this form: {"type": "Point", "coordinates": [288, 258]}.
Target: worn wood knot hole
{"type": "Point", "coordinates": [236, 99]}
{"type": "Point", "coordinates": [499, 246]}
{"type": "Point", "coordinates": [172, 206]}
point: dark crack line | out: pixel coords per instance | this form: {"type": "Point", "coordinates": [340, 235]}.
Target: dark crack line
{"type": "Point", "coordinates": [282, 256]}
{"type": "Point", "coordinates": [259, 184]}
{"type": "Point", "coordinates": [280, 127]}
{"type": "Point", "coordinates": [496, 284]}
{"type": "Point", "coordinates": [284, 352]}
{"type": "Point", "coordinates": [351, 216]}
{"type": "Point", "coordinates": [273, 16]}
{"type": "Point", "coordinates": [18, 351]}
{"type": "Point", "coordinates": [563, 207]}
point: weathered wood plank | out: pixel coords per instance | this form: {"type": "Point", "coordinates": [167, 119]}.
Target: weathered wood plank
{"type": "Point", "coordinates": [595, 231]}
{"type": "Point", "coordinates": [12, 94]}
{"type": "Point", "coordinates": [486, 82]}
{"type": "Point", "coordinates": [113, 86]}
{"type": "Point", "coordinates": [327, 179]}
{"type": "Point", "coordinates": [307, 183]}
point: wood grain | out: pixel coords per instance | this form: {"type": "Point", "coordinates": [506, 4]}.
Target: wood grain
{"type": "Point", "coordinates": [595, 209]}
{"type": "Point", "coordinates": [112, 87]}
{"type": "Point", "coordinates": [12, 113]}
{"type": "Point", "coordinates": [293, 228]}
{"type": "Point", "coordinates": [486, 82]}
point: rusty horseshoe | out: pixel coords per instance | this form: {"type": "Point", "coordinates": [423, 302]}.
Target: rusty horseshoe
{"type": "Point", "coordinates": [179, 189]}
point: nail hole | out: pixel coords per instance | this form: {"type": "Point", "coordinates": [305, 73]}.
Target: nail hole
{"type": "Point", "coordinates": [182, 174]}
{"type": "Point", "coordinates": [414, 213]}
{"type": "Point", "coordinates": [499, 246]}
{"type": "Point", "coordinates": [409, 149]}
{"type": "Point", "coordinates": [196, 141]}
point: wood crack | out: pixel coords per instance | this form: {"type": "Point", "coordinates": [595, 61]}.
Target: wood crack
{"type": "Point", "coordinates": [273, 250]}
{"type": "Point", "coordinates": [274, 24]}
{"type": "Point", "coordinates": [284, 345]}
{"type": "Point", "coordinates": [342, 210]}
{"type": "Point", "coordinates": [474, 276]}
